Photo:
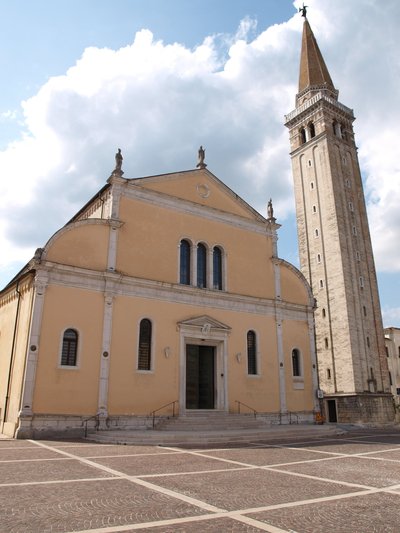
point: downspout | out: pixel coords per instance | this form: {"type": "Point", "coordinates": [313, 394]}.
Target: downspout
{"type": "Point", "coordinates": [14, 341]}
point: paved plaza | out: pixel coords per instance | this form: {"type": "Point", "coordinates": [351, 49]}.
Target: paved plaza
{"type": "Point", "coordinates": [348, 483]}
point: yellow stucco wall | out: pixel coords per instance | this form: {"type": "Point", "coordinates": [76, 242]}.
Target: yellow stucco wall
{"type": "Point", "coordinates": [83, 244]}
{"type": "Point", "coordinates": [9, 322]}
{"type": "Point", "coordinates": [69, 390]}
{"type": "Point", "coordinates": [295, 335]}
{"type": "Point", "coordinates": [133, 392]}
{"type": "Point", "coordinates": [199, 187]}
{"type": "Point", "coordinates": [148, 247]}
{"type": "Point", "coordinates": [293, 288]}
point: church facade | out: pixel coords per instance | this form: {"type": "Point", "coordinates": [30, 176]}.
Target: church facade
{"type": "Point", "coordinates": [161, 291]}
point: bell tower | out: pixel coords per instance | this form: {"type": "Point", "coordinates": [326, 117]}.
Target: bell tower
{"type": "Point", "coordinates": [335, 247]}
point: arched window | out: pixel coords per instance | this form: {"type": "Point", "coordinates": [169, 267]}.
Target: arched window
{"type": "Point", "coordinates": [217, 268]}
{"type": "Point", "coordinates": [303, 135]}
{"type": "Point", "coordinates": [201, 266]}
{"type": "Point", "coordinates": [144, 352]}
{"type": "Point", "coordinates": [184, 272]}
{"type": "Point", "coordinates": [311, 129]}
{"type": "Point", "coordinates": [296, 363]}
{"type": "Point", "coordinates": [69, 348]}
{"type": "Point", "coordinates": [251, 353]}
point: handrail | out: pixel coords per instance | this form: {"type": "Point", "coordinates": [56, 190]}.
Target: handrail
{"type": "Point", "coordinates": [153, 413]}
{"type": "Point", "coordinates": [296, 418]}
{"type": "Point", "coordinates": [248, 407]}
{"type": "Point", "coordinates": [86, 420]}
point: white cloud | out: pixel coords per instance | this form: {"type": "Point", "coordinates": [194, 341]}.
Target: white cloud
{"type": "Point", "coordinates": [160, 102]}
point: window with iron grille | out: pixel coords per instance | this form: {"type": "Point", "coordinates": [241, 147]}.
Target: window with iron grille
{"type": "Point", "coordinates": [251, 353]}
{"type": "Point", "coordinates": [184, 272]}
{"type": "Point", "coordinates": [144, 354]}
{"type": "Point", "coordinates": [69, 348]}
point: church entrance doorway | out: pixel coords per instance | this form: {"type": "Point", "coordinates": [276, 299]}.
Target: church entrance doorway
{"type": "Point", "coordinates": [200, 377]}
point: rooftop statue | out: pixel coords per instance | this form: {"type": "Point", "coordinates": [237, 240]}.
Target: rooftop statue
{"type": "Point", "coordinates": [303, 11]}
{"type": "Point", "coordinates": [118, 160]}
{"type": "Point", "coordinates": [270, 209]}
{"type": "Point", "coordinates": [200, 158]}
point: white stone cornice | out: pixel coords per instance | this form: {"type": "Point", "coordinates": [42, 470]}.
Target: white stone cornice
{"type": "Point", "coordinates": [185, 206]}
{"type": "Point", "coordinates": [318, 98]}
{"type": "Point", "coordinates": [119, 284]}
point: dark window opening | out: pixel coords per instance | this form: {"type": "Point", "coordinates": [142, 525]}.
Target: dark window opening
{"type": "Point", "coordinates": [69, 348]}
{"type": "Point", "coordinates": [251, 353]}
{"type": "Point", "coordinates": [184, 274]}
{"type": "Point", "coordinates": [217, 268]}
{"type": "Point", "coordinates": [201, 266]}
{"type": "Point", "coordinates": [296, 367]}
{"type": "Point", "coordinates": [144, 355]}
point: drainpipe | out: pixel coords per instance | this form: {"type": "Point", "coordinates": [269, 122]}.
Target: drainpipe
{"type": "Point", "coordinates": [14, 341]}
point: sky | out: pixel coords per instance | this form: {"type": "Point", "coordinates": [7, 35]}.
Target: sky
{"type": "Point", "coordinates": [159, 78]}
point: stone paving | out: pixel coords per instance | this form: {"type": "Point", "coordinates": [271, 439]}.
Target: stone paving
{"type": "Point", "coordinates": [346, 484]}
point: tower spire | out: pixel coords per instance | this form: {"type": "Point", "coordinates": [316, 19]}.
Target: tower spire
{"type": "Point", "coordinates": [313, 70]}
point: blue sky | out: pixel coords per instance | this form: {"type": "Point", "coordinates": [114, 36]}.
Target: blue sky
{"type": "Point", "coordinates": [81, 78]}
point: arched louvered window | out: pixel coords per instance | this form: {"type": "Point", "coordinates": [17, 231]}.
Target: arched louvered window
{"type": "Point", "coordinates": [296, 363]}
{"type": "Point", "coordinates": [184, 272]}
{"type": "Point", "coordinates": [69, 348]}
{"type": "Point", "coordinates": [201, 266]}
{"type": "Point", "coordinates": [311, 129]}
{"type": "Point", "coordinates": [303, 138]}
{"type": "Point", "coordinates": [217, 268]}
{"type": "Point", "coordinates": [251, 352]}
{"type": "Point", "coordinates": [144, 355]}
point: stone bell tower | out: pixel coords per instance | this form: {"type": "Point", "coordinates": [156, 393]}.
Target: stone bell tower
{"type": "Point", "coordinates": [335, 247]}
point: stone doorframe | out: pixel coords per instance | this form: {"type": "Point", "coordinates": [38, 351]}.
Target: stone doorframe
{"type": "Point", "coordinates": [206, 331]}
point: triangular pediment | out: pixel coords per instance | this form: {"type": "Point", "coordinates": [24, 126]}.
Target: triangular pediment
{"type": "Point", "coordinates": [204, 323]}
{"type": "Point", "coordinates": [200, 187]}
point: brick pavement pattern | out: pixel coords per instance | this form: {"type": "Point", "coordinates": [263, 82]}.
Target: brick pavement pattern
{"type": "Point", "coordinates": [347, 484]}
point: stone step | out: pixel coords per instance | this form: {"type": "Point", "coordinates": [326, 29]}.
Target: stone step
{"type": "Point", "coordinates": [210, 438]}
{"type": "Point", "coordinates": [220, 422]}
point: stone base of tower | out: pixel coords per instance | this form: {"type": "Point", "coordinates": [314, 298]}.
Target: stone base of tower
{"type": "Point", "coordinates": [362, 408]}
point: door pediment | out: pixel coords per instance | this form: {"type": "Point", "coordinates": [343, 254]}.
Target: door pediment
{"type": "Point", "coordinates": [204, 324]}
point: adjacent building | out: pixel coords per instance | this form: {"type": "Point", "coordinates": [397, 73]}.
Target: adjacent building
{"type": "Point", "coordinates": [392, 344]}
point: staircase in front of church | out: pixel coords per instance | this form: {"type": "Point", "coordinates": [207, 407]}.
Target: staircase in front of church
{"type": "Point", "coordinates": [210, 428]}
